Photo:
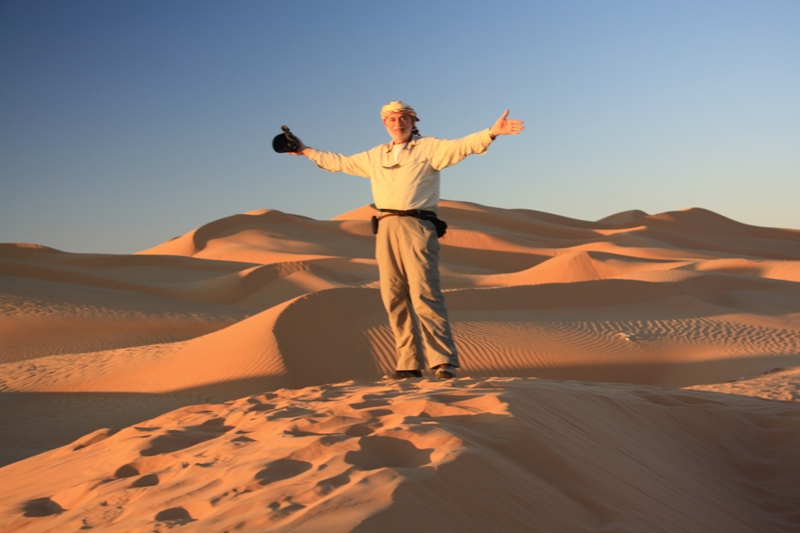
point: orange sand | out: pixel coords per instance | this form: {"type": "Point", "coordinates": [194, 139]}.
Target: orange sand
{"type": "Point", "coordinates": [630, 374]}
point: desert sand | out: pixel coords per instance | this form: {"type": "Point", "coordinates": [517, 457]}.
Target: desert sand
{"type": "Point", "coordinates": [636, 373]}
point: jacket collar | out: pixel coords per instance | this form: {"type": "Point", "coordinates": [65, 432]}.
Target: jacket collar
{"type": "Point", "coordinates": [413, 141]}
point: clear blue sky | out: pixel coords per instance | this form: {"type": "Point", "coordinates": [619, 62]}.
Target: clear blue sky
{"type": "Point", "coordinates": [126, 123]}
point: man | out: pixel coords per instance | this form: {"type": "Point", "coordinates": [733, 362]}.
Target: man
{"type": "Point", "coordinates": [405, 185]}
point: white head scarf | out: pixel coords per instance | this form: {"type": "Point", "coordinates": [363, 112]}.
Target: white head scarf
{"type": "Point", "coordinates": [397, 107]}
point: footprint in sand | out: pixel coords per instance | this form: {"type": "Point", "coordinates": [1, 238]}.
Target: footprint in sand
{"type": "Point", "coordinates": [174, 515]}
{"type": "Point", "coordinates": [388, 452]}
{"type": "Point", "coordinates": [141, 466]}
{"type": "Point", "coordinates": [41, 507]}
{"type": "Point", "coordinates": [330, 484]}
{"type": "Point", "coordinates": [258, 406]}
{"type": "Point", "coordinates": [175, 440]}
{"type": "Point", "coordinates": [282, 469]}
{"type": "Point", "coordinates": [375, 400]}
{"type": "Point", "coordinates": [126, 471]}
{"type": "Point", "coordinates": [360, 430]}
{"type": "Point", "coordinates": [291, 412]}
{"type": "Point", "coordinates": [241, 440]}
{"type": "Point", "coordinates": [148, 480]}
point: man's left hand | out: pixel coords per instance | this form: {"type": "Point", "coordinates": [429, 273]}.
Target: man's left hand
{"type": "Point", "coordinates": [504, 126]}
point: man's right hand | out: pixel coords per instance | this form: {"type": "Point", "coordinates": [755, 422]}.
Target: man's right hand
{"type": "Point", "coordinates": [301, 148]}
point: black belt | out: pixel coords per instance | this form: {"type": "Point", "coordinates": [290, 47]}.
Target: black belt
{"type": "Point", "coordinates": [441, 225]}
{"type": "Point", "coordinates": [418, 213]}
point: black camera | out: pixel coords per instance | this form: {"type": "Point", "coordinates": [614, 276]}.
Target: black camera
{"type": "Point", "coordinates": [285, 142]}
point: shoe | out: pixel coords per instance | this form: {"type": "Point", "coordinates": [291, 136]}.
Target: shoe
{"type": "Point", "coordinates": [403, 374]}
{"type": "Point", "coordinates": [445, 371]}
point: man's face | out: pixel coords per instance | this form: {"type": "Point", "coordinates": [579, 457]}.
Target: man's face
{"type": "Point", "coordinates": [399, 125]}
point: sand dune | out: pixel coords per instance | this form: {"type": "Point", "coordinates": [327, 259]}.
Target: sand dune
{"type": "Point", "coordinates": [575, 337]}
{"type": "Point", "coordinates": [470, 455]}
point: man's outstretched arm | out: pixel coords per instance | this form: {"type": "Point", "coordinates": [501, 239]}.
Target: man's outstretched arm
{"type": "Point", "coordinates": [356, 165]}
{"type": "Point", "coordinates": [449, 152]}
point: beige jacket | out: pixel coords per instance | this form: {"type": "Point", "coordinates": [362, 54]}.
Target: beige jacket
{"type": "Point", "coordinates": [411, 182]}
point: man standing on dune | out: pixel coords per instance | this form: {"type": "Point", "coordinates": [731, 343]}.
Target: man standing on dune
{"type": "Point", "coordinates": [405, 185]}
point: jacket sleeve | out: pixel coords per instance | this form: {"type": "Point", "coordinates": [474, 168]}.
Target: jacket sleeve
{"type": "Point", "coordinates": [449, 152]}
{"type": "Point", "coordinates": [356, 165]}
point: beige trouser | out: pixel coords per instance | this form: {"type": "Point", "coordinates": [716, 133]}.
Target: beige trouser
{"type": "Point", "coordinates": [407, 251]}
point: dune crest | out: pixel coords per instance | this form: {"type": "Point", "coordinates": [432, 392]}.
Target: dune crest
{"type": "Point", "coordinates": [190, 384]}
